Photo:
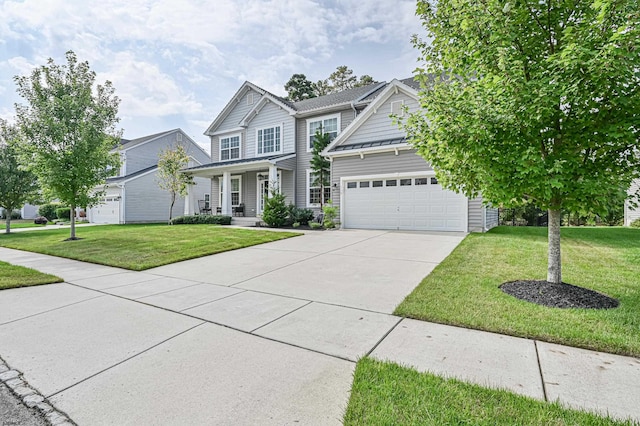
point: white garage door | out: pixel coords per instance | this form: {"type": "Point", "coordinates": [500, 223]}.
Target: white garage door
{"type": "Point", "coordinates": [409, 203]}
{"type": "Point", "coordinates": [107, 212]}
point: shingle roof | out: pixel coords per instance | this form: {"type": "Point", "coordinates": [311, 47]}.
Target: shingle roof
{"type": "Point", "coordinates": [242, 161]}
{"type": "Point", "coordinates": [125, 143]}
{"type": "Point", "coordinates": [372, 144]}
{"type": "Point", "coordinates": [338, 98]}
{"type": "Point", "coordinates": [132, 175]}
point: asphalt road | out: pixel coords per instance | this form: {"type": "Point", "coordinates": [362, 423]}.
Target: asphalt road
{"type": "Point", "coordinates": [14, 413]}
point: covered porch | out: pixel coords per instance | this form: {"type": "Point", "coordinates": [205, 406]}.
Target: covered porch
{"type": "Point", "coordinates": [240, 187]}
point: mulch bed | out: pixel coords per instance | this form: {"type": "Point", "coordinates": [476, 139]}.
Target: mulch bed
{"type": "Point", "coordinates": [558, 295]}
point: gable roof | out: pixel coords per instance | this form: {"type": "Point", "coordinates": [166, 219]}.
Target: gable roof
{"type": "Point", "coordinates": [227, 109]}
{"type": "Point", "coordinates": [266, 98]}
{"type": "Point", "coordinates": [118, 179]}
{"type": "Point", "coordinates": [340, 98]}
{"type": "Point", "coordinates": [130, 143]}
{"type": "Point", "coordinates": [392, 88]}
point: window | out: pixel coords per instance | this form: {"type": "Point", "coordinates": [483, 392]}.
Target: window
{"type": "Point", "coordinates": [230, 148]}
{"type": "Point", "coordinates": [392, 182]}
{"type": "Point", "coordinates": [405, 182]}
{"type": "Point", "coordinates": [236, 191]}
{"type": "Point", "coordinates": [313, 191]}
{"type": "Point", "coordinates": [329, 125]}
{"type": "Point", "coordinates": [269, 140]}
{"type": "Point", "coordinates": [351, 185]}
{"type": "Point", "coordinates": [434, 181]}
{"type": "Point", "coordinates": [364, 184]}
{"type": "Point", "coordinates": [377, 183]}
{"type": "Point", "coordinates": [421, 181]}
{"type": "Point", "coordinates": [207, 201]}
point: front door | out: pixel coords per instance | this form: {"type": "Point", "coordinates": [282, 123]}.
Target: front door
{"type": "Point", "coordinates": [263, 189]}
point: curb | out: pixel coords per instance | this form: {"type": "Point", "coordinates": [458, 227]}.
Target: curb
{"type": "Point", "coordinates": [31, 397]}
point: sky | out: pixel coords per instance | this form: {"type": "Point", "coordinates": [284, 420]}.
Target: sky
{"type": "Point", "coordinates": [176, 63]}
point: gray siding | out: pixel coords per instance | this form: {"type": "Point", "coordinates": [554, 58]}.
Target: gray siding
{"type": "Point", "coordinates": [239, 111]}
{"type": "Point", "coordinates": [146, 202]}
{"type": "Point", "coordinates": [373, 164]}
{"type": "Point", "coordinates": [269, 116]}
{"type": "Point", "coordinates": [631, 214]}
{"type": "Point", "coordinates": [492, 218]}
{"type": "Point", "coordinates": [379, 125]}
{"type": "Point", "coordinates": [475, 215]}
{"type": "Point", "coordinates": [303, 157]}
{"type": "Point", "coordinates": [146, 154]}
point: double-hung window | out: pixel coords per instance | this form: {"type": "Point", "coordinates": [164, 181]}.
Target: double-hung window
{"type": "Point", "coordinates": [313, 190]}
{"type": "Point", "coordinates": [329, 124]}
{"type": "Point", "coordinates": [236, 191]}
{"type": "Point", "coordinates": [230, 148]}
{"type": "Point", "coordinates": [269, 140]}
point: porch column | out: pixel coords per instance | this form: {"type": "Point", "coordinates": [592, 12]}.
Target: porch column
{"type": "Point", "coordinates": [188, 201]}
{"type": "Point", "coordinates": [273, 178]}
{"type": "Point", "coordinates": [226, 194]}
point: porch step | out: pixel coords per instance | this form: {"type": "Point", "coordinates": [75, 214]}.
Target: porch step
{"type": "Point", "coordinates": [245, 221]}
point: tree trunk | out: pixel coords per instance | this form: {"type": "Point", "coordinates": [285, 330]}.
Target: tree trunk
{"type": "Point", "coordinates": [173, 200]}
{"type": "Point", "coordinates": [7, 228]}
{"type": "Point", "coordinates": [554, 268]}
{"type": "Point", "coordinates": [72, 216]}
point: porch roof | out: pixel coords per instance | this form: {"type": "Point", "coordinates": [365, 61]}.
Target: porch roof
{"type": "Point", "coordinates": [244, 165]}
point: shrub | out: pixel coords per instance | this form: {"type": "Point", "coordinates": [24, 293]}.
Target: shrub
{"type": "Point", "coordinates": [275, 213]}
{"type": "Point", "coordinates": [202, 219]}
{"type": "Point", "coordinates": [300, 215]}
{"type": "Point", "coordinates": [63, 213]}
{"type": "Point", "coordinates": [635, 223]}
{"type": "Point", "coordinates": [315, 225]}
{"type": "Point", "coordinates": [330, 214]}
{"type": "Point", "coordinates": [14, 214]}
{"type": "Point", "coordinates": [49, 210]}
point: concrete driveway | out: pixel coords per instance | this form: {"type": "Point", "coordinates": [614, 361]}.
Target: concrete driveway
{"type": "Point", "coordinates": [262, 335]}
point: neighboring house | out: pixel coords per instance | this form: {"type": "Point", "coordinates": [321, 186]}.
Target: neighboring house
{"type": "Point", "coordinates": [631, 214]}
{"type": "Point", "coordinates": [378, 180]}
{"type": "Point", "coordinates": [133, 196]}
{"type": "Point", "coordinates": [28, 211]}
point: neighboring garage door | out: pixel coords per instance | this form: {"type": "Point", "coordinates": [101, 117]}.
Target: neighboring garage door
{"type": "Point", "coordinates": [107, 212]}
{"type": "Point", "coordinates": [409, 203]}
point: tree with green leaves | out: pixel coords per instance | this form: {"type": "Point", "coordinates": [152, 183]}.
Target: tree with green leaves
{"type": "Point", "coordinates": [320, 165]}
{"type": "Point", "coordinates": [69, 131]}
{"type": "Point", "coordinates": [342, 79]}
{"type": "Point", "coordinates": [17, 184]}
{"type": "Point", "coordinates": [275, 212]}
{"type": "Point", "coordinates": [169, 177]}
{"type": "Point", "coordinates": [299, 88]}
{"type": "Point", "coordinates": [541, 104]}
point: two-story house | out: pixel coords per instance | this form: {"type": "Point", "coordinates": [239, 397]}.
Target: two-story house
{"type": "Point", "coordinates": [378, 181]}
{"type": "Point", "coordinates": [133, 196]}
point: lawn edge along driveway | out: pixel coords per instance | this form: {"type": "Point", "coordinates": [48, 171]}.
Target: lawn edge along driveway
{"type": "Point", "coordinates": [14, 276]}
{"type": "Point", "coordinates": [464, 289]}
{"type": "Point", "coordinates": [140, 247]}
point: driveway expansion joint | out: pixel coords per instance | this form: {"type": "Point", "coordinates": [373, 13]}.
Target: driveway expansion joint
{"type": "Point", "coordinates": [30, 396]}
{"type": "Point", "coordinates": [544, 386]}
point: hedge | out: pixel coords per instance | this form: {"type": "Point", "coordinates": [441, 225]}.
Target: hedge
{"type": "Point", "coordinates": [63, 213]}
{"type": "Point", "coordinates": [201, 219]}
{"type": "Point", "coordinates": [49, 210]}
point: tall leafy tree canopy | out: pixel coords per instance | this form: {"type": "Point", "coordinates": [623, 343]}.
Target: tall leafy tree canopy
{"type": "Point", "coordinates": [299, 88]}
{"type": "Point", "coordinates": [17, 184]}
{"type": "Point", "coordinates": [69, 127]}
{"type": "Point", "coordinates": [531, 102]}
{"type": "Point", "coordinates": [170, 162]}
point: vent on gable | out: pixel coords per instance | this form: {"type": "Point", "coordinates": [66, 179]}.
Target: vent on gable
{"type": "Point", "coordinates": [179, 137]}
{"type": "Point", "coordinates": [396, 108]}
{"type": "Point", "coordinates": [250, 99]}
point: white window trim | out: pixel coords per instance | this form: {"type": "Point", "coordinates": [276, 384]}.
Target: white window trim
{"type": "Point", "coordinates": [401, 102]}
{"type": "Point", "coordinates": [308, 187]}
{"type": "Point", "coordinates": [220, 192]}
{"type": "Point", "coordinates": [313, 120]}
{"type": "Point", "coordinates": [265, 154]}
{"type": "Point", "coordinates": [239, 135]}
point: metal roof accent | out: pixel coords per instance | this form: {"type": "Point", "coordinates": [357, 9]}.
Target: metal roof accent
{"type": "Point", "coordinates": [242, 161]}
{"type": "Point", "coordinates": [372, 144]}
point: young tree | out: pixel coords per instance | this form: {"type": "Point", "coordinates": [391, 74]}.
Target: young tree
{"type": "Point", "coordinates": [17, 184]}
{"type": "Point", "coordinates": [320, 165]}
{"type": "Point", "coordinates": [541, 105]}
{"type": "Point", "coordinates": [299, 88]}
{"type": "Point", "coordinates": [170, 162]}
{"type": "Point", "coordinates": [69, 130]}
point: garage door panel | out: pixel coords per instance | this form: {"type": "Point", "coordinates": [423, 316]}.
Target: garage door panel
{"type": "Point", "coordinates": [404, 207]}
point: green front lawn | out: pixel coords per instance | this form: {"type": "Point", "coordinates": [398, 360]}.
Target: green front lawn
{"type": "Point", "coordinates": [388, 394]}
{"type": "Point", "coordinates": [139, 247]}
{"type": "Point", "coordinates": [20, 223]}
{"type": "Point", "coordinates": [12, 276]}
{"type": "Point", "coordinates": [463, 289]}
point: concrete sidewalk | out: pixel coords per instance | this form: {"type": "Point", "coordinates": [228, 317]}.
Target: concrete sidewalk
{"type": "Point", "coordinates": [267, 335]}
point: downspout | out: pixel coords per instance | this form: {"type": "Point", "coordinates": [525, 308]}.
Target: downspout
{"type": "Point", "coordinates": [355, 111]}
